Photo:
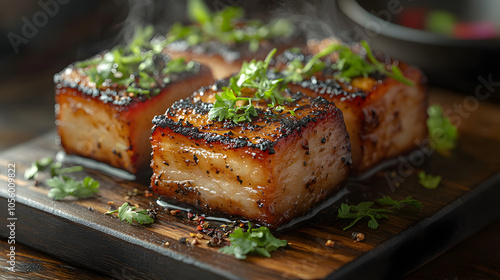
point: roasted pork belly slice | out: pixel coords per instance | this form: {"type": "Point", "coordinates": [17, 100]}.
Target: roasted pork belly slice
{"type": "Point", "coordinates": [225, 60]}
{"type": "Point", "coordinates": [384, 117]}
{"type": "Point", "coordinates": [111, 125]}
{"type": "Point", "coordinates": [269, 170]}
{"type": "Point", "coordinates": [384, 121]}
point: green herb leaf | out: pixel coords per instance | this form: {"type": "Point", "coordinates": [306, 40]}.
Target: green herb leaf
{"type": "Point", "coordinates": [442, 133]}
{"type": "Point", "coordinates": [225, 26]}
{"type": "Point", "coordinates": [259, 241]}
{"type": "Point", "coordinates": [360, 211]}
{"type": "Point", "coordinates": [131, 215]}
{"type": "Point", "coordinates": [198, 11]}
{"type": "Point", "coordinates": [38, 165]}
{"type": "Point", "coordinates": [387, 200]}
{"type": "Point", "coordinates": [395, 72]}
{"type": "Point", "coordinates": [365, 210]}
{"type": "Point", "coordinates": [253, 74]}
{"type": "Point", "coordinates": [63, 186]}
{"type": "Point", "coordinates": [348, 65]}
{"type": "Point", "coordinates": [56, 169]}
{"type": "Point", "coordinates": [140, 67]}
{"type": "Point", "coordinates": [225, 108]}
{"type": "Point", "coordinates": [428, 181]}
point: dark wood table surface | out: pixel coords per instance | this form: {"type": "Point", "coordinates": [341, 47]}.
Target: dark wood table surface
{"type": "Point", "coordinates": [26, 112]}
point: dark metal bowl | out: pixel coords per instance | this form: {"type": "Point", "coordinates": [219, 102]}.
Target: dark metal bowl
{"type": "Point", "coordinates": [449, 62]}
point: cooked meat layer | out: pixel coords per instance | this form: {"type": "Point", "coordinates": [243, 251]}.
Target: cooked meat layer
{"type": "Point", "coordinates": [269, 170]}
{"type": "Point", "coordinates": [110, 124]}
{"type": "Point", "coordinates": [384, 117]}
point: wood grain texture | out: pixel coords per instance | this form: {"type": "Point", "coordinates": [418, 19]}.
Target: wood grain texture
{"type": "Point", "coordinates": [32, 264]}
{"type": "Point", "coordinates": [408, 239]}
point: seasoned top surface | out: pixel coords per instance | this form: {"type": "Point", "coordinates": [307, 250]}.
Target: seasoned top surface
{"type": "Point", "coordinates": [189, 117]}
{"type": "Point", "coordinates": [324, 83]}
{"type": "Point", "coordinates": [72, 77]}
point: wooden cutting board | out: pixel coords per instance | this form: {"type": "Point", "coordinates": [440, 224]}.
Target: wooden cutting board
{"type": "Point", "coordinates": [79, 232]}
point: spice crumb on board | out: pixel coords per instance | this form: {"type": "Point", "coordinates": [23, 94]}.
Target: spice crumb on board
{"type": "Point", "coordinates": [330, 243]}
{"type": "Point", "coordinates": [358, 236]}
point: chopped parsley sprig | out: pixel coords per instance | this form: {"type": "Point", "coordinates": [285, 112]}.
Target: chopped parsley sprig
{"type": "Point", "coordinates": [255, 240]}
{"type": "Point", "coordinates": [131, 215]}
{"type": "Point", "coordinates": [62, 186]}
{"type": "Point", "coordinates": [428, 181]}
{"type": "Point", "coordinates": [231, 105]}
{"type": "Point", "coordinates": [225, 26]}
{"type": "Point", "coordinates": [348, 65]}
{"type": "Point", "coordinates": [225, 108]}
{"type": "Point", "coordinates": [36, 166]}
{"type": "Point", "coordinates": [442, 133]}
{"type": "Point", "coordinates": [140, 66]}
{"type": "Point", "coordinates": [394, 73]}
{"type": "Point", "coordinates": [365, 210]}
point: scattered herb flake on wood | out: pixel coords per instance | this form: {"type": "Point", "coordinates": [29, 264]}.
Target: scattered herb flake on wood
{"type": "Point", "coordinates": [365, 210]}
{"type": "Point", "coordinates": [442, 133]}
{"type": "Point", "coordinates": [63, 187]}
{"type": "Point", "coordinates": [428, 181]}
{"type": "Point", "coordinates": [254, 240]}
{"type": "Point", "coordinates": [131, 215]}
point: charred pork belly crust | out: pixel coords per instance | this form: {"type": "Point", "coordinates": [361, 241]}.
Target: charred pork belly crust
{"type": "Point", "coordinates": [111, 125]}
{"type": "Point", "coordinates": [384, 117]}
{"type": "Point", "coordinates": [269, 170]}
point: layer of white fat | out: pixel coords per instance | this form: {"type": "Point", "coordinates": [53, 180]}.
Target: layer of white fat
{"type": "Point", "coordinates": [215, 175]}
{"type": "Point", "coordinates": [93, 132]}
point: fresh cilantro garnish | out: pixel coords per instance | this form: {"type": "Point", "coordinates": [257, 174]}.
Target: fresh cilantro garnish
{"type": "Point", "coordinates": [365, 210]}
{"type": "Point", "coordinates": [296, 71]}
{"type": "Point", "coordinates": [63, 186]}
{"type": "Point", "coordinates": [254, 240]}
{"type": "Point", "coordinates": [225, 108]}
{"type": "Point", "coordinates": [442, 133]}
{"type": "Point", "coordinates": [348, 65]}
{"type": "Point", "coordinates": [394, 73]}
{"type": "Point", "coordinates": [38, 165]}
{"type": "Point", "coordinates": [253, 75]}
{"type": "Point", "coordinates": [389, 201]}
{"type": "Point", "coordinates": [131, 215]}
{"type": "Point", "coordinates": [55, 168]}
{"type": "Point", "coordinates": [225, 26]}
{"type": "Point", "coordinates": [360, 211]}
{"type": "Point", "coordinates": [140, 66]}
{"type": "Point", "coordinates": [428, 181]}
